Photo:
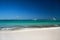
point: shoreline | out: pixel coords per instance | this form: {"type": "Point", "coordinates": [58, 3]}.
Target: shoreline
{"type": "Point", "coordinates": [52, 33]}
{"type": "Point", "coordinates": [19, 27]}
{"type": "Point", "coordinates": [32, 29]}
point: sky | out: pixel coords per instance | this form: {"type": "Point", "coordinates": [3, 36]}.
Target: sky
{"type": "Point", "coordinates": [29, 9]}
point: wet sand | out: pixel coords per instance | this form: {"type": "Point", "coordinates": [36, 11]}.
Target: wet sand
{"type": "Point", "coordinates": [52, 33]}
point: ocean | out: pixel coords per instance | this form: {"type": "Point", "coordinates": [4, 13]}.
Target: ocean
{"type": "Point", "coordinates": [27, 23]}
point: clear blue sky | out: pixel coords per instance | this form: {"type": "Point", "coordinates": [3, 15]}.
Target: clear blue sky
{"type": "Point", "coordinates": [29, 9]}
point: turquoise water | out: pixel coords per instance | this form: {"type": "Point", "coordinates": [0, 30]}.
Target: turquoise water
{"type": "Point", "coordinates": [11, 23]}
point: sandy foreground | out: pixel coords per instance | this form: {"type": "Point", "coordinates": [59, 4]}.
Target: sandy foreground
{"type": "Point", "coordinates": [52, 33]}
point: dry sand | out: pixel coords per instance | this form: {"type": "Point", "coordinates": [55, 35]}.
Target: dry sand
{"type": "Point", "coordinates": [52, 33]}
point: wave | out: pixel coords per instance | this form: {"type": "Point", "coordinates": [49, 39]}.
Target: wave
{"type": "Point", "coordinates": [16, 27]}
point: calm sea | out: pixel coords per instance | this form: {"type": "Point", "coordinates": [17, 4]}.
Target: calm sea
{"type": "Point", "coordinates": [22, 23]}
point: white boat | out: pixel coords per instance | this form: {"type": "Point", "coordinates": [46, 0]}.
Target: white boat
{"type": "Point", "coordinates": [34, 19]}
{"type": "Point", "coordinates": [54, 18]}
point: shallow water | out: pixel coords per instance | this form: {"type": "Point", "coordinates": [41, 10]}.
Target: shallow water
{"type": "Point", "coordinates": [27, 22]}
{"type": "Point", "coordinates": [16, 24]}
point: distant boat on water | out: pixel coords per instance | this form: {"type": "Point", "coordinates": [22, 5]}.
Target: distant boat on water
{"type": "Point", "coordinates": [35, 19]}
{"type": "Point", "coordinates": [54, 18]}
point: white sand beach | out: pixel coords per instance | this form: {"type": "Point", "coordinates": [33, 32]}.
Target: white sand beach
{"type": "Point", "coordinates": [52, 33]}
